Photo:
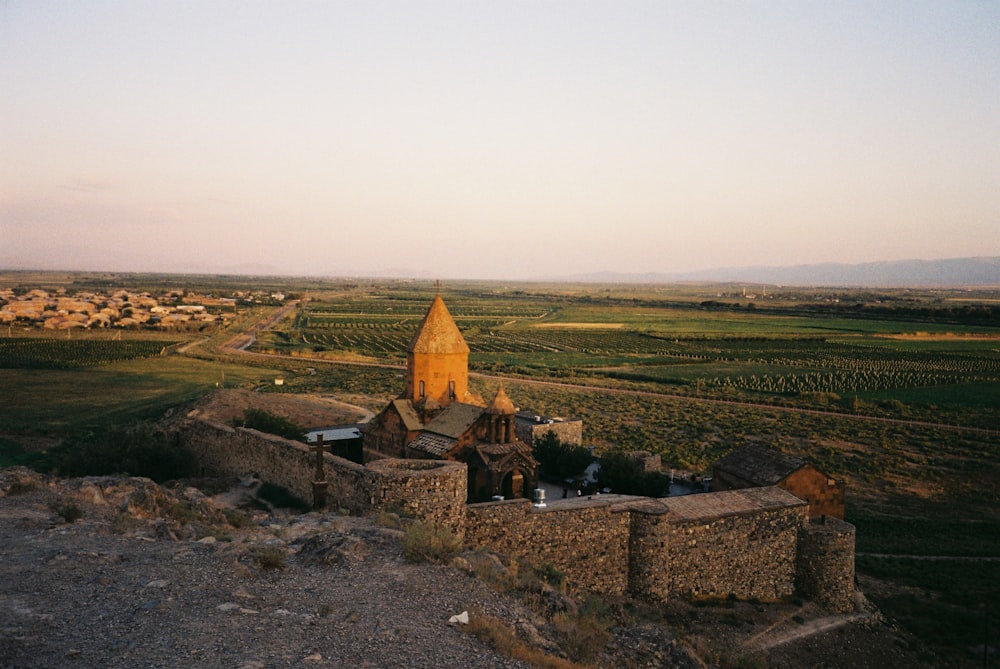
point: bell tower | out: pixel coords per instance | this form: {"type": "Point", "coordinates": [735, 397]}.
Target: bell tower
{"type": "Point", "coordinates": [437, 360]}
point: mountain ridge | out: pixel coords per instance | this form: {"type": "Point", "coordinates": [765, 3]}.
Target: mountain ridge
{"type": "Point", "coordinates": [951, 272]}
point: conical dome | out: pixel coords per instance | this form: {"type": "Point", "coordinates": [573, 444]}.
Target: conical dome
{"type": "Point", "coordinates": [501, 404]}
{"type": "Point", "coordinates": [438, 332]}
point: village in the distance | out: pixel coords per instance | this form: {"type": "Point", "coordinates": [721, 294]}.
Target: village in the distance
{"type": "Point", "coordinates": [173, 309]}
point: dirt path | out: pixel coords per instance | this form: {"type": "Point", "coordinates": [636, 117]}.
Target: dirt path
{"type": "Point", "coordinates": [773, 636]}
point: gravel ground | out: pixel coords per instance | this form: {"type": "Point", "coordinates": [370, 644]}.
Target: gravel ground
{"type": "Point", "coordinates": [123, 587]}
{"type": "Point", "coordinates": [119, 572]}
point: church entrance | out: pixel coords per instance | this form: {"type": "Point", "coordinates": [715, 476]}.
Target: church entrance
{"type": "Point", "coordinates": [478, 488]}
{"type": "Point", "coordinates": [513, 485]}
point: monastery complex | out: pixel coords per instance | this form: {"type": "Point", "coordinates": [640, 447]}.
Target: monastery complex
{"type": "Point", "coordinates": [771, 529]}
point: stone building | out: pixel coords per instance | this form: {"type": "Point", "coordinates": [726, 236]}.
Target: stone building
{"type": "Point", "coordinates": [530, 426]}
{"type": "Point", "coordinates": [753, 466]}
{"type": "Point", "coordinates": [437, 417]}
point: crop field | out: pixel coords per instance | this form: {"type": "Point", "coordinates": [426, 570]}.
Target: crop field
{"type": "Point", "coordinates": [37, 353]}
{"type": "Point", "coordinates": [766, 354]}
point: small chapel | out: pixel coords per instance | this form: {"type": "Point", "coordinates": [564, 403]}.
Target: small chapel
{"type": "Point", "coordinates": [437, 417]}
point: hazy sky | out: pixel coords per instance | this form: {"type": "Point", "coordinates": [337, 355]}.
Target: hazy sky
{"type": "Point", "coordinates": [496, 139]}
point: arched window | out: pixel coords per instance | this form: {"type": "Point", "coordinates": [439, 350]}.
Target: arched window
{"type": "Point", "coordinates": [421, 388]}
{"type": "Point", "coordinates": [451, 389]}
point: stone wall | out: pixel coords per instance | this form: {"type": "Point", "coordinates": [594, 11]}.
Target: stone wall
{"type": "Point", "coordinates": [429, 490]}
{"type": "Point", "coordinates": [736, 543]}
{"type": "Point", "coordinates": [587, 542]}
{"type": "Point", "coordinates": [753, 543]}
{"type": "Point", "coordinates": [222, 450]}
{"type": "Point", "coordinates": [824, 494]}
{"type": "Point", "coordinates": [569, 431]}
{"type": "Point", "coordinates": [826, 563]}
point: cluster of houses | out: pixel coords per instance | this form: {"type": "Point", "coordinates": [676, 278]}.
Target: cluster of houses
{"type": "Point", "coordinates": [59, 310]}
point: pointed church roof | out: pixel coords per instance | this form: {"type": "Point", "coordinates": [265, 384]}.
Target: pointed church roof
{"type": "Point", "coordinates": [437, 332]}
{"type": "Point", "coordinates": [501, 404]}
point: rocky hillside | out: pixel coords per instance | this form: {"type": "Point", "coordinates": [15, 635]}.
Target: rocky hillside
{"type": "Point", "coordinates": [121, 572]}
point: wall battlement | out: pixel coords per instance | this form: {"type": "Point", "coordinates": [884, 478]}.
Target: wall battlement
{"type": "Point", "coordinates": [752, 543]}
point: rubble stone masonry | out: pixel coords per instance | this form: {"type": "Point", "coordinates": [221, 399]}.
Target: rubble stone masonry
{"type": "Point", "coordinates": [429, 490]}
{"type": "Point", "coordinates": [752, 543]}
{"type": "Point", "coordinates": [739, 543]}
{"type": "Point", "coordinates": [585, 540]}
{"type": "Point", "coordinates": [826, 563]}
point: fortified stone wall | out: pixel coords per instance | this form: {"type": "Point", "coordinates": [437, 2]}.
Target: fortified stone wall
{"type": "Point", "coordinates": [826, 563]}
{"type": "Point", "coordinates": [735, 543]}
{"type": "Point", "coordinates": [586, 542]}
{"type": "Point", "coordinates": [429, 490]}
{"type": "Point", "coordinates": [222, 450]}
{"type": "Point", "coordinates": [753, 543]}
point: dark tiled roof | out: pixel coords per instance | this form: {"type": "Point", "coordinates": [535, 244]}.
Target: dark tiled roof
{"type": "Point", "coordinates": [435, 444]}
{"type": "Point", "coordinates": [706, 506]}
{"type": "Point", "coordinates": [411, 419]}
{"type": "Point", "coordinates": [455, 420]}
{"type": "Point", "coordinates": [759, 465]}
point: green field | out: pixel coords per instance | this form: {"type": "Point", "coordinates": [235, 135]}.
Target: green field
{"type": "Point", "coordinates": [782, 353]}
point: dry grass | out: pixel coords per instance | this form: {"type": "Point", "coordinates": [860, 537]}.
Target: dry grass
{"type": "Point", "coordinates": [426, 541]}
{"type": "Point", "coordinates": [269, 558]}
{"type": "Point", "coordinates": [505, 642]}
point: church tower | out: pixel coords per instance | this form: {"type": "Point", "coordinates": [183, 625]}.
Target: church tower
{"type": "Point", "coordinates": [437, 360]}
{"type": "Point", "coordinates": [500, 412]}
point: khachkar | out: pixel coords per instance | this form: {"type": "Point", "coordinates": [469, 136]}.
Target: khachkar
{"type": "Point", "coordinates": [320, 484]}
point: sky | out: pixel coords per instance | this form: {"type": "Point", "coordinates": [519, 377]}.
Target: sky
{"type": "Point", "coordinates": [495, 139]}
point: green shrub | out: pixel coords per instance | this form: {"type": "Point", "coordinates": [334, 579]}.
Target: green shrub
{"type": "Point", "coordinates": [236, 518]}
{"type": "Point", "coordinates": [427, 541]}
{"type": "Point", "coordinates": [550, 574]}
{"type": "Point", "coordinates": [505, 642]}
{"type": "Point", "coordinates": [264, 421]}
{"type": "Point", "coordinates": [585, 633]}
{"type": "Point", "coordinates": [22, 487]}
{"type": "Point", "coordinates": [182, 512]}
{"type": "Point", "coordinates": [624, 475]}
{"type": "Point", "coordinates": [385, 518]}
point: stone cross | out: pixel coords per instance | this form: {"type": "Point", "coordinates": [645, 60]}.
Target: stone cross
{"type": "Point", "coordinates": [319, 478]}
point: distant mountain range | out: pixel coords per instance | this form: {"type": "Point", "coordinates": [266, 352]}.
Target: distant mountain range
{"type": "Point", "coordinates": [913, 273]}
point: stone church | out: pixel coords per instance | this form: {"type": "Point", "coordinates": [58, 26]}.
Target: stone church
{"type": "Point", "coordinates": [437, 417]}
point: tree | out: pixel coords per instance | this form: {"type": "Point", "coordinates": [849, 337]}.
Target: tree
{"type": "Point", "coordinates": [558, 460]}
{"type": "Point", "coordinates": [624, 475]}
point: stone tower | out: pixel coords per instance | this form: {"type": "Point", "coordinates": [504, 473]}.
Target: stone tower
{"type": "Point", "coordinates": [437, 360]}
{"type": "Point", "coordinates": [500, 428]}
